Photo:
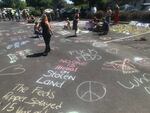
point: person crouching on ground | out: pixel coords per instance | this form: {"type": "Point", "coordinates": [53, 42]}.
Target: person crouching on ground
{"type": "Point", "coordinates": [46, 33]}
{"type": "Point", "coordinates": [105, 27]}
{"type": "Point", "coordinates": [67, 25]}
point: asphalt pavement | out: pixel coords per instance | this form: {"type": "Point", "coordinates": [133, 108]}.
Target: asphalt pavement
{"type": "Point", "coordinates": [85, 74]}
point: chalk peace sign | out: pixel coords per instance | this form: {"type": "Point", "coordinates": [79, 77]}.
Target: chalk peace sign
{"type": "Point", "coordinates": [91, 91]}
{"type": "Point", "coordinates": [12, 70]}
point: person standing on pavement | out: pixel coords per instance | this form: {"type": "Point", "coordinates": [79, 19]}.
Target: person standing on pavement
{"type": "Point", "coordinates": [46, 33]}
{"type": "Point", "coordinates": [75, 21]}
{"type": "Point", "coordinates": [108, 15]}
{"type": "Point", "coordinates": [116, 15]}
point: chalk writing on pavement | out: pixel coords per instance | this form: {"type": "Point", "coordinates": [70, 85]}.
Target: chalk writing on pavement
{"type": "Point", "coordinates": [15, 56]}
{"type": "Point", "coordinates": [69, 65]}
{"type": "Point", "coordinates": [55, 78]}
{"type": "Point", "coordinates": [137, 82]}
{"type": "Point", "coordinates": [37, 100]}
{"type": "Point", "coordinates": [86, 55]}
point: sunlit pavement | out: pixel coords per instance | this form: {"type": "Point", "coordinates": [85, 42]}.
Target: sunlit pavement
{"type": "Point", "coordinates": [85, 74]}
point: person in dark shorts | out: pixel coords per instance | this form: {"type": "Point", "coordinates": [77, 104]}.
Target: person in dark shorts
{"type": "Point", "coordinates": [105, 27]}
{"type": "Point", "coordinates": [46, 33]}
{"type": "Point", "coordinates": [75, 21]}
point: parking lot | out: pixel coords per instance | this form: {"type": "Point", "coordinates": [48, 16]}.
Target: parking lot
{"type": "Point", "coordinates": [85, 74]}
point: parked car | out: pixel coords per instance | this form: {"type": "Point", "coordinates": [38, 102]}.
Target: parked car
{"type": "Point", "coordinates": [69, 12]}
{"type": "Point", "coordinates": [128, 8]}
{"type": "Point", "coordinates": [145, 7]}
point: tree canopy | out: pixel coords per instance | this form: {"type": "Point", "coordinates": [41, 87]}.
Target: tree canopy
{"type": "Point", "coordinates": [46, 3]}
{"type": "Point", "coordinates": [33, 3]}
{"type": "Point", "coordinates": [91, 3]}
{"type": "Point", "coordinates": [39, 3]}
{"type": "Point", "coordinates": [13, 3]}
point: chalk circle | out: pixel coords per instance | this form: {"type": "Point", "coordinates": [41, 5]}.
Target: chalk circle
{"type": "Point", "coordinates": [99, 44]}
{"type": "Point", "coordinates": [105, 38]}
{"type": "Point", "coordinates": [91, 91]}
{"type": "Point", "coordinates": [142, 61]}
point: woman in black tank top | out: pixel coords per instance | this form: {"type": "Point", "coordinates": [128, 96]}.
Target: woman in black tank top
{"type": "Point", "coordinates": [46, 33]}
{"type": "Point", "coordinates": [75, 21]}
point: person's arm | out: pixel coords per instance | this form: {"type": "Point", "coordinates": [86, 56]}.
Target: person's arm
{"type": "Point", "coordinates": [49, 27]}
{"type": "Point", "coordinates": [78, 16]}
{"type": "Point", "coordinates": [38, 26]}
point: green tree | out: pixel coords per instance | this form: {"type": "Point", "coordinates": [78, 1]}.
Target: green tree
{"type": "Point", "coordinates": [8, 3]}
{"type": "Point", "coordinates": [1, 5]}
{"type": "Point", "coordinates": [91, 3]}
{"type": "Point", "coordinates": [13, 3]}
{"type": "Point", "coordinates": [21, 5]}
{"type": "Point", "coordinates": [41, 3]}
{"type": "Point", "coordinates": [46, 3]}
{"type": "Point", "coordinates": [79, 2]}
{"type": "Point", "coordinates": [58, 4]}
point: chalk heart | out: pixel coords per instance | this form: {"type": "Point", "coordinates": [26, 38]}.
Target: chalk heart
{"type": "Point", "coordinates": [12, 70]}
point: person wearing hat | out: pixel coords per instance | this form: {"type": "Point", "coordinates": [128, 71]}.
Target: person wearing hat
{"type": "Point", "coordinates": [46, 33]}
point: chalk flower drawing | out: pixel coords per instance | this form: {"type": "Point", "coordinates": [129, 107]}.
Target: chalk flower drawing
{"type": "Point", "coordinates": [12, 70]}
{"type": "Point", "coordinates": [125, 66]}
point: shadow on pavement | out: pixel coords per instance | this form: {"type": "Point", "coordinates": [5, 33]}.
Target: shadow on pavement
{"type": "Point", "coordinates": [34, 37]}
{"type": "Point", "coordinates": [141, 39]}
{"type": "Point", "coordinates": [71, 36]}
{"type": "Point", "coordinates": [35, 55]}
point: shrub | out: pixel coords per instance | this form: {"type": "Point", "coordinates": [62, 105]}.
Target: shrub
{"type": "Point", "coordinates": [35, 12]}
{"type": "Point", "coordinates": [99, 14]}
{"type": "Point", "coordinates": [136, 16]}
{"type": "Point", "coordinates": [124, 16]}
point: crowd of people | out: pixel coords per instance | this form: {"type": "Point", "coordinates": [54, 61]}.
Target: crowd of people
{"type": "Point", "coordinates": [43, 27]}
{"type": "Point", "coordinates": [9, 14]}
{"type": "Point", "coordinates": [102, 25]}
{"type": "Point", "coordinates": [97, 25]}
